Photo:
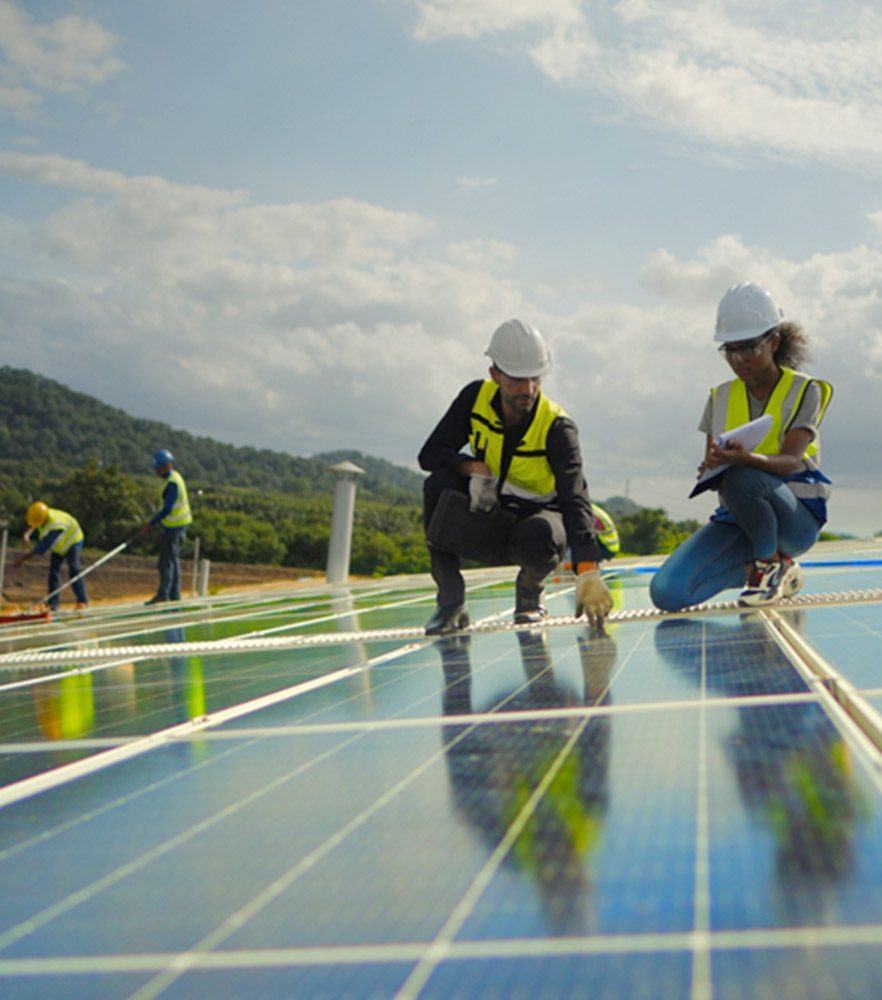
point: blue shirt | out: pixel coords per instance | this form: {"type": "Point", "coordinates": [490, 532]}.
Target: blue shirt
{"type": "Point", "coordinates": [47, 541]}
{"type": "Point", "coordinates": [169, 499]}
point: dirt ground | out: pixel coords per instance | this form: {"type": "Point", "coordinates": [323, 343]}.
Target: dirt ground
{"type": "Point", "coordinates": [133, 577]}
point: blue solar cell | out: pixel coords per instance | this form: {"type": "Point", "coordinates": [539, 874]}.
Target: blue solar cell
{"type": "Point", "coordinates": [676, 804]}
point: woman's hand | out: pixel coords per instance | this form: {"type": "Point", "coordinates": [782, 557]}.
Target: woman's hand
{"type": "Point", "coordinates": [731, 453]}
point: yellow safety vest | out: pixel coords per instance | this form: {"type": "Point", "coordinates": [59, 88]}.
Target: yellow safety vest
{"type": "Point", "coordinates": [71, 532]}
{"type": "Point", "coordinates": [180, 514]}
{"type": "Point", "coordinates": [731, 408]}
{"type": "Point", "coordinates": [529, 476]}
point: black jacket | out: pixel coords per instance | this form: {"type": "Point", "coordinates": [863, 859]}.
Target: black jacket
{"type": "Point", "coordinates": [443, 450]}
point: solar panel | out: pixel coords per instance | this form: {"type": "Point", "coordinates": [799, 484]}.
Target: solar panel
{"type": "Point", "coordinates": [300, 795]}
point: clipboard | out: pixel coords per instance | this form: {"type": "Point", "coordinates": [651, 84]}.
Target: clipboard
{"type": "Point", "coordinates": [749, 434]}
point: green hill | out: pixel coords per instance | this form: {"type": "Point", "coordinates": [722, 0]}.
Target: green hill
{"type": "Point", "coordinates": [618, 507]}
{"type": "Point", "coordinates": [249, 504]}
{"type": "Point", "coordinates": [54, 430]}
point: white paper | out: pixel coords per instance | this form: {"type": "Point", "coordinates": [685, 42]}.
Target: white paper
{"type": "Point", "coordinates": [749, 435]}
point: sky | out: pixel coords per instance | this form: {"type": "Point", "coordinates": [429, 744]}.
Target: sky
{"type": "Point", "coordinates": [295, 225]}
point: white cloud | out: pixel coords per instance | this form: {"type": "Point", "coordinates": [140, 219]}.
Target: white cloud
{"type": "Point", "coordinates": [482, 254]}
{"type": "Point", "coordinates": [780, 79]}
{"type": "Point", "coordinates": [311, 326]}
{"type": "Point", "coordinates": [467, 19]}
{"type": "Point", "coordinates": [194, 294]}
{"type": "Point", "coordinates": [65, 55]}
{"type": "Point", "coordinates": [188, 232]}
{"type": "Point", "coordinates": [18, 100]}
{"type": "Point", "coordinates": [716, 266]}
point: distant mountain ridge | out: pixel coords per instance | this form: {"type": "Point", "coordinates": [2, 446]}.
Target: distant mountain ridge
{"type": "Point", "coordinates": [618, 507]}
{"type": "Point", "coordinates": [46, 423]}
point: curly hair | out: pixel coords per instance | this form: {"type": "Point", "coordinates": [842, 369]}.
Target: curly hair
{"type": "Point", "coordinates": [793, 351]}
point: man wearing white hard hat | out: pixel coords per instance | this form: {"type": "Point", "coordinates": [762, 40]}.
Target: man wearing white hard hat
{"type": "Point", "coordinates": [524, 462]}
{"type": "Point", "coordinates": [773, 496]}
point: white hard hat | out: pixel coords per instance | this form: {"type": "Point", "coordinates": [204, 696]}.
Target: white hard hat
{"type": "Point", "coordinates": [517, 349]}
{"type": "Point", "coordinates": [746, 311]}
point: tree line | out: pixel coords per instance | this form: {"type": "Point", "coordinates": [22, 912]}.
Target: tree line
{"type": "Point", "coordinates": [237, 525]}
{"type": "Point", "coordinates": [250, 505]}
{"type": "Point", "coordinates": [248, 525]}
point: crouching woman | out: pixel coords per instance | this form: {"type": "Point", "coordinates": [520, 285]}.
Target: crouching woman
{"type": "Point", "coordinates": [772, 498]}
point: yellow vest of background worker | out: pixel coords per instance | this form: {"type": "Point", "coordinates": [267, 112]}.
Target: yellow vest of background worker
{"type": "Point", "coordinates": [67, 524]}
{"type": "Point", "coordinates": [180, 515]}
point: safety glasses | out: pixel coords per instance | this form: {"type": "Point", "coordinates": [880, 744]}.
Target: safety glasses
{"type": "Point", "coordinates": [748, 350]}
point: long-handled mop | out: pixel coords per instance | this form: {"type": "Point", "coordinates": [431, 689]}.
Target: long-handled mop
{"type": "Point", "coordinates": [31, 615]}
{"type": "Point", "coordinates": [87, 570]}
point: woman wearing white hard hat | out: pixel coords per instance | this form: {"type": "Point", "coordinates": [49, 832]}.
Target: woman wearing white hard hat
{"type": "Point", "coordinates": [772, 497]}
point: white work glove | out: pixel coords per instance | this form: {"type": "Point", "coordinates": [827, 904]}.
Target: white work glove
{"type": "Point", "coordinates": [592, 597]}
{"type": "Point", "coordinates": [482, 492]}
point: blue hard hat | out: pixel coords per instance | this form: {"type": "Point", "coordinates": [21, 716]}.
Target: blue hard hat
{"type": "Point", "coordinates": [162, 457]}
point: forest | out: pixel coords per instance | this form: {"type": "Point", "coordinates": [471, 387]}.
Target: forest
{"type": "Point", "coordinates": [249, 505]}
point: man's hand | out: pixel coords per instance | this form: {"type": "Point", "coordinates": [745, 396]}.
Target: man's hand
{"type": "Point", "coordinates": [145, 528]}
{"type": "Point", "coordinates": [593, 599]}
{"type": "Point", "coordinates": [482, 492]}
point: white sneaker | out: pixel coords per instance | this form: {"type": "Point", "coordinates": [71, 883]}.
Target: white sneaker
{"type": "Point", "coordinates": [793, 579]}
{"type": "Point", "coordinates": [769, 581]}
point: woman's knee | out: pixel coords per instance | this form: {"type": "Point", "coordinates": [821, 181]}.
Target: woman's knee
{"type": "Point", "coordinates": [666, 593]}
{"type": "Point", "coordinates": [744, 482]}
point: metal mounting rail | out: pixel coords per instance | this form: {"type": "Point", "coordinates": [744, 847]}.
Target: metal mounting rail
{"type": "Point", "coordinates": [267, 643]}
{"type": "Point", "coordinates": [842, 698]}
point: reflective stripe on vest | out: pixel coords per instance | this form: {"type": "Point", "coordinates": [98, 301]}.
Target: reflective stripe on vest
{"type": "Point", "coordinates": [731, 408]}
{"type": "Point", "coordinates": [605, 526]}
{"type": "Point", "coordinates": [529, 476]}
{"type": "Point", "coordinates": [180, 514]}
{"type": "Point", "coordinates": [67, 524]}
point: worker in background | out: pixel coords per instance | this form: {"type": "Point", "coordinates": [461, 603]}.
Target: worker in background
{"type": "Point", "coordinates": [525, 457]}
{"type": "Point", "coordinates": [173, 517]}
{"type": "Point", "coordinates": [59, 534]}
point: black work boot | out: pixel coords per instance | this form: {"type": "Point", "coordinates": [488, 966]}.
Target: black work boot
{"type": "Point", "coordinates": [531, 616]}
{"type": "Point", "coordinates": [528, 604]}
{"type": "Point", "coordinates": [447, 618]}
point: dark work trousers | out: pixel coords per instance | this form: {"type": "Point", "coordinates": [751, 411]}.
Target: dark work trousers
{"type": "Point", "coordinates": [537, 544]}
{"type": "Point", "coordinates": [74, 568]}
{"type": "Point", "coordinates": [170, 563]}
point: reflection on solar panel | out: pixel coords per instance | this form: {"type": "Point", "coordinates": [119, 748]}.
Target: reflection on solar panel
{"type": "Point", "coordinates": [300, 795]}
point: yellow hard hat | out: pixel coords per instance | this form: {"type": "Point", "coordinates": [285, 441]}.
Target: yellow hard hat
{"type": "Point", "coordinates": [37, 514]}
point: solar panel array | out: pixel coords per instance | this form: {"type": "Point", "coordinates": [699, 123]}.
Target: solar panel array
{"type": "Point", "coordinates": [679, 806]}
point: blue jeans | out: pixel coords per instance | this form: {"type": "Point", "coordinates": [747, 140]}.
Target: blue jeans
{"type": "Point", "coordinates": [170, 564]}
{"type": "Point", "coordinates": [769, 520]}
{"type": "Point", "coordinates": [74, 568]}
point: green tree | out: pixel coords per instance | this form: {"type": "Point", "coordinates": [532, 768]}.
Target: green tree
{"type": "Point", "coordinates": [233, 536]}
{"type": "Point", "coordinates": [306, 543]}
{"type": "Point", "coordinates": [13, 504]}
{"type": "Point", "coordinates": [652, 532]}
{"type": "Point", "coordinates": [105, 501]}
